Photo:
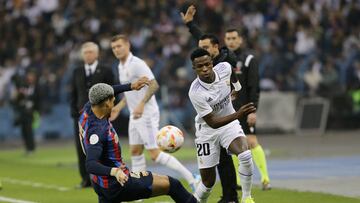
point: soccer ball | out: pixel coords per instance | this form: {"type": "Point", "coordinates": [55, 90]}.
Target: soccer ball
{"type": "Point", "coordinates": [169, 138]}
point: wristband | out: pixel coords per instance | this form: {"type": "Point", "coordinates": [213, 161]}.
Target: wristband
{"type": "Point", "coordinates": [237, 86]}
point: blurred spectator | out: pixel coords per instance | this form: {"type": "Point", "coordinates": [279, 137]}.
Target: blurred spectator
{"type": "Point", "coordinates": [286, 35]}
{"type": "Point", "coordinates": [26, 102]}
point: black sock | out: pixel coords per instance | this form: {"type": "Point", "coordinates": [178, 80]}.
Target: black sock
{"type": "Point", "coordinates": [178, 193]}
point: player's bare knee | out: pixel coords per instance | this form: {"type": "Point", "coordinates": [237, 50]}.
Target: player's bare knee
{"type": "Point", "coordinates": [161, 185]}
{"type": "Point", "coordinates": [252, 141]}
{"type": "Point", "coordinates": [136, 151]}
{"type": "Point", "coordinates": [154, 153]}
{"type": "Point", "coordinates": [238, 145]}
{"type": "Point", "coordinates": [209, 181]}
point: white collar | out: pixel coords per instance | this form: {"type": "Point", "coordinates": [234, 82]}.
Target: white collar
{"type": "Point", "coordinates": [92, 67]}
{"type": "Point", "coordinates": [209, 85]}
{"type": "Point", "coordinates": [127, 61]}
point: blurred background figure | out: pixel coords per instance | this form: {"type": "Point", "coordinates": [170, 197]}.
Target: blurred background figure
{"type": "Point", "coordinates": [84, 76]}
{"type": "Point", "coordinates": [26, 102]}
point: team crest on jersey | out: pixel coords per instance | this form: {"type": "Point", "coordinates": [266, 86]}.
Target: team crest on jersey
{"type": "Point", "coordinates": [94, 138]}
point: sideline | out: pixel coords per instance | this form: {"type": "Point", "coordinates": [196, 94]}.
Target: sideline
{"type": "Point", "coordinates": [34, 184]}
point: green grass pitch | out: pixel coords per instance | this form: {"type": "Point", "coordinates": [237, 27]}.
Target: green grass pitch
{"type": "Point", "coordinates": [51, 173]}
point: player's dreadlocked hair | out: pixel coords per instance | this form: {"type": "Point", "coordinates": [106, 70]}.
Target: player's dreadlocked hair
{"type": "Point", "coordinates": [199, 52]}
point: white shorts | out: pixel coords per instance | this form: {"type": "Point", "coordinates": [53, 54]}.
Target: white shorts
{"type": "Point", "coordinates": [143, 131]}
{"type": "Point", "coordinates": [208, 147]}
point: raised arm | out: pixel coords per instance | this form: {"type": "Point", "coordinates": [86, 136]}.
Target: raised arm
{"type": "Point", "coordinates": [188, 19]}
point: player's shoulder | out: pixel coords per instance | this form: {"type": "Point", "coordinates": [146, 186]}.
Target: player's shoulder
{"type": "Point", "coordinates": [223, 68]}
{"type": "Point", "coordinates": [195, 85]}
{"type": "Point", "coordinates": [195, 88]}
{"type": "Point", "coordinates": [97, 126]}
{"type": "Point", "coordinates": [137, 60]}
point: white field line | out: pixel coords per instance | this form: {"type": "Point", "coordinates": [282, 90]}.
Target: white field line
{"type": "Point", "coordinates": [12, 200]}
{"type": "Point", "coordinates": [34, 184]}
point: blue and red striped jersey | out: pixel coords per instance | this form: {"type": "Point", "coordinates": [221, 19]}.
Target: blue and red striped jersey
{"type": "Point", "coordinates": [101, 145]}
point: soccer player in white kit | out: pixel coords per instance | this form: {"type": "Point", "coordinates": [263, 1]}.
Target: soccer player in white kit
{"type": "Point", "coordinates": [217, 125]}
{"type": "Point", "coordinates": [144, 112]}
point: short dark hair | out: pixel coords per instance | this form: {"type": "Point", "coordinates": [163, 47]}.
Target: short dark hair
{"type": "Point", "coordinates": [212, 37]}
{"type": "Point", "coordinates": [115, 38]}
{"type": "Point", "coordinates": [199, 52]}
{"type": "Point", "coordinates": [233, 30]}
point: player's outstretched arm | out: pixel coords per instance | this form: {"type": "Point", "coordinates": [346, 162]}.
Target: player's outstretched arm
{"type": "Point", "coordinates": [217, 122]}
{"type": "Point", "coordinates": [115, 111]}
{"type": "Point", "coordinates": [140, 83]}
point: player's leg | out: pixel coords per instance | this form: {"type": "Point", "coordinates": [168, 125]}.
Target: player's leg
{"type": "Point", "coordinates": [227, 175]}
{"type": "Point", "coordinates": [239, 147]}
{"type": "Point", "coordinates": [166, 185]}
{"type": "Point", "coordinates": [203, 190]}
{"type": "Point", "coordinates": [171, 162]}
{"type": "Point", "coordinates": [259, 158]}
{"type": "Point", "coordinates": [208, 155]}
{"type": "Point", "coordinates": [138, 161]}
{"type": "Point", "coordinates": [235, 141]}
{"type": "Point", "coordinates": [148, 133]}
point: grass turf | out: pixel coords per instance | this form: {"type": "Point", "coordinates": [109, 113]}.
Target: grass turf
{"type": "Point", "coordinates": [51, 173]}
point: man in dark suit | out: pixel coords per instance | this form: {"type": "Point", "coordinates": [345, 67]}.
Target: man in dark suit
{"type": "Point", "coordinates": [85, 76]}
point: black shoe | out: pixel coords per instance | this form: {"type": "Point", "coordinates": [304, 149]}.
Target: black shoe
{"type": "Point", "coordinates": [222, 200]}
{"type": "Point", "coordinates": [238, 187]}
{"type": "Point", "coordinates": [83, 184]}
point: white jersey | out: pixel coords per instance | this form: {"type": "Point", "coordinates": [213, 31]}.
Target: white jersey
{"type": "Point", "coordinates": [133, 69]}
{"type": "Point", "coordinates": [212, 98]}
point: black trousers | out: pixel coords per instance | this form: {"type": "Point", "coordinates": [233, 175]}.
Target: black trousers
{"type": "Point", "coordinates": [27, 131]}
{"type": "Point", "coordinates": [85, 177]}
{"type": "Point", "coordinates": [227, 176]}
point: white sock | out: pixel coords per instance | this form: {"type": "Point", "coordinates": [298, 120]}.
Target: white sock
{"type": "Point", "coordinates": [202, 192]}
{"type": "Point", "coordinates": [171, 162]}
{"type": "Point", "coordinates": [246, 168]}
{"type": "Point", "coordinates": [138, 163]}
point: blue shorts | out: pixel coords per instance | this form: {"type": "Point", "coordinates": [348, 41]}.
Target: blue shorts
{"type": "Point", "coordinates": [138, 186]}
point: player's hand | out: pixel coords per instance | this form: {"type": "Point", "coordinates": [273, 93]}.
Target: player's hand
{"type": "Point", "coordinates": [140, 83]}
{"type": "Point", "coordinates": [139, 110]}
{"type": "Point", "coordinates": [245, 110]}
{"type": "Point", "coordinates": [120, 176]}
{"type": "Point", "coordinates": [251, 119]}
{"type": "Point", "coordinates": [234, 95]}
{"type": "Point", "coordinates": [189, 15]}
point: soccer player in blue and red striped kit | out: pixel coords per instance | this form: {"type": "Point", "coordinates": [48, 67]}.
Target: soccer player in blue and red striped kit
{"type": "Point", "coordinates": [111, 178]}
